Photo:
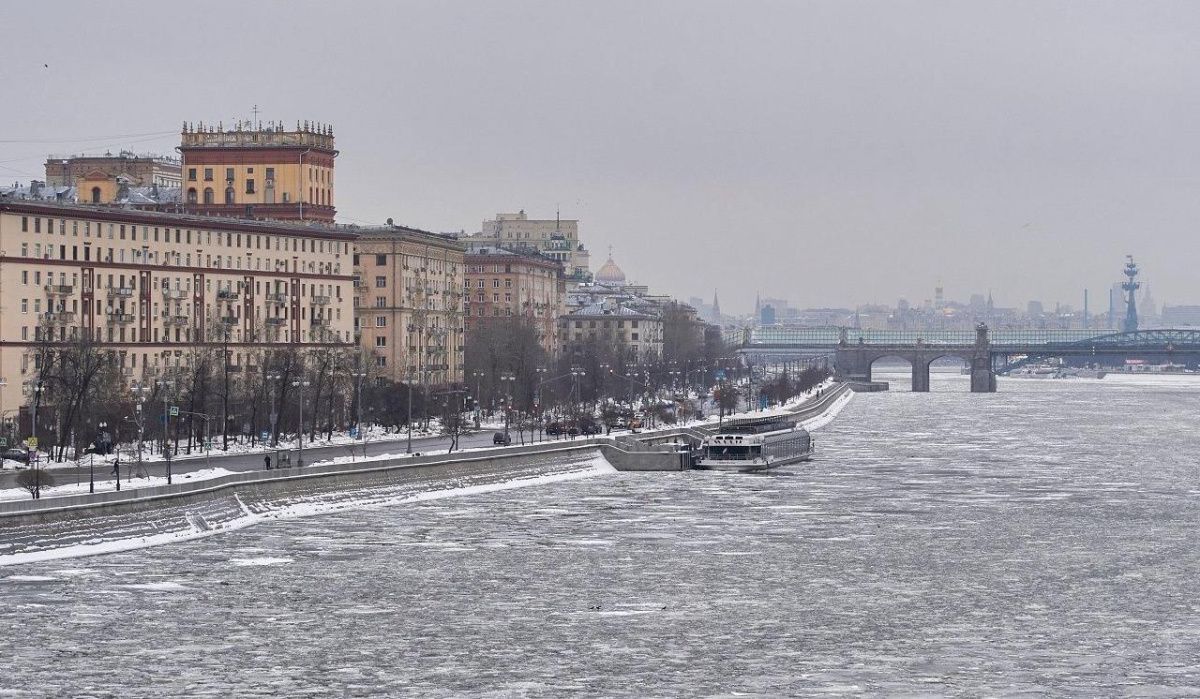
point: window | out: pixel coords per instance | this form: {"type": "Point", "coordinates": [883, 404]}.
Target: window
{"type": "Point", "coordinates": [24, 224]}
{"type": "Point", "coordinates": [229, 195]}
{"type": "Point", "coordinates": [380, 302]}
{"type": "Point", "coordinates": [356, 259]}
{"type": "Point", "coordinates": [24, 305]}
{"type": "Point", "coordinates": [250, 186]}
{"type": "Point", "coordinates": [208, 199]}
{"type": "Point", "coordinates": [208, 174]}
{"type": "Point", "coordinates": [380, 260]}
{"type": "Point", "coordinates": [270, 174]}
{"type": "Point", "coordinates": [381, 321]}
{"type": "Point", "coordinates": [380, 282]}
{"type": "Point", "coordinates": [191, 195]}
{"type": "Point", "coordinates": [191, 174]}
{"type": "Point", "coordinates": [381, 341]}
{"type": "Point", "coordinates": [229, 174]}
{"type": "Point", "coordinates": [381, 361]}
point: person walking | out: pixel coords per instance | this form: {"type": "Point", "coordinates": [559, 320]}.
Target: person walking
{"type": "Point", "coordinates": [267, 461]}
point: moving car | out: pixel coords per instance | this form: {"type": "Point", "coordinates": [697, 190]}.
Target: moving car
{"type": "Point", "coordinates": [15, 454]}
{"type": "Point", "coordinates": [501, 438]}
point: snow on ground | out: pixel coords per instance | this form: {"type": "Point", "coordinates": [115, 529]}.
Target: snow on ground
{"type": "Point", "coordinates": [595, 465]}
{"type": "Point", "coordinates": [82, 487]}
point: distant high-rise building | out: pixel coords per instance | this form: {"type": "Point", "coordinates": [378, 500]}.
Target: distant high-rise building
{"type": "Point", "coordinates": [767, 315]}
{"type": "Point", "coordinates": [1035, 309]}
{"type": "Point", "coordinates": [716, 308]}
{"type": "Point", "coordinates": [556, 238]}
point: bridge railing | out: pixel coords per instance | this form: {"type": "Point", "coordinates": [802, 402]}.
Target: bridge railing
{"type": "Point", "coordinates": [999, 338]}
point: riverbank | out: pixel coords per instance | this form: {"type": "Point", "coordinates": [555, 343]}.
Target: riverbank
{"type": "Point", "coordinates": [103, 522]}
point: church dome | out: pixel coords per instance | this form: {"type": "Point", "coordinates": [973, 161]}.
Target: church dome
{"type": "Point", "coordinates": [610, 274]}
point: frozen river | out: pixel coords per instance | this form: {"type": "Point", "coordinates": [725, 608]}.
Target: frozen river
{"type": "Point", "coordinates": [1038, 540]}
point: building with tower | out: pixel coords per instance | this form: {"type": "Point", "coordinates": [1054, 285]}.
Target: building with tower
{"type": "Point", "coordinates": [259, 171]}
{"type": "Point", "coordinates": [556, 238]}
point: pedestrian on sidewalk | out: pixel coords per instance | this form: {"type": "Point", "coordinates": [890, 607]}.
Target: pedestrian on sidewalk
{"type": "Point", "coordinates": [116, 469]}
{"type": "Point", "coordinates": [267, 460]}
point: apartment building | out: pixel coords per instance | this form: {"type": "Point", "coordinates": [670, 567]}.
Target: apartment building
{"type": "Point", "coordinates": [556, 238]}
{"type": "Point", "coordinates": [150, 284]}
{"type": "Point", "coordinates": [507, 283]}
{"type": "Point", "coordinates": [409, 304]}
{"type": "Point", "coordinates": [259, 171]}
{"type": "Point", "coordinates": [609, 325]}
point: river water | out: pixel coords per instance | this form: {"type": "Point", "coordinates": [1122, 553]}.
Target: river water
{"type": "Point", "coordinates": [1037, 541]}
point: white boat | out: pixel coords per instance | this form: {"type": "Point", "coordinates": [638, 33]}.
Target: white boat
{"type": "Point", "coordinates": [756, 444]}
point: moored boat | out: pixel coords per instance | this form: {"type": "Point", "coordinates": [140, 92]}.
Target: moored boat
{"type": "Point", "coordinates": [756, 444]}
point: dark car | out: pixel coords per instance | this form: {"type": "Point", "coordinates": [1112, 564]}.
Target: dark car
{"type": "Point", "coordinates": [573, 431]}
{"type": "Point", "coordinates": [501, 438]}
{"type": "Point", "coordinates": [590, 428]}
{"type": "Point", "coordinates": [14, 454]}
{"type": "Point", "coordinates": [554, 428]}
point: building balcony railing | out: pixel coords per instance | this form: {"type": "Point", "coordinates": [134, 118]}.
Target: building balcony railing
{"type": "Point", "coordinates": [174, 294]}
{"type": "Point", "coordinates": [278, 298]}
{"type": "Point", "coordinates": [227, 294]}
{"type": "Point", "coordinates": [276, 321]}
{"type": "Point", "coordinates": [123, 292]}
{"type": "Point", "coordinates": [230, 320]}
{"type": "Point", "coordinates": [319, 322]}
{"type": "Point", "coordinates": [320, 300]}
{"type": "Point", "coordinates": [173, 319]}
{"type": "Point", "coordinates": [120, 318]}
{"type": "Point", "coordinates": [60, 289]}
{"type": "Point", "coordinates": [59, 317]}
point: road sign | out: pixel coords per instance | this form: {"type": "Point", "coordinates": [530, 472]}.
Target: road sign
{"type": "Point", "coordinates": [720, 374]}
{"type": "Point", "coordinates": [174, 411]}
{"type": "Point", "coordinates": [353, 433]}
{"type": "Point", "coordinates": [264, 435]}
{"type": "Point", "coordinates": [3, 442]}
{"type": "Point", "coordinates": [31, 442]}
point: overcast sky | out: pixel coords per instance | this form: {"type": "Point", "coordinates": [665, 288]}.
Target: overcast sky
{"type": "Point", "coordinates": [833, 153]}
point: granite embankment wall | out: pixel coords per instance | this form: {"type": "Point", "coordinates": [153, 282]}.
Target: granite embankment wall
{"type": "Point", "coordinates": [198, 506]}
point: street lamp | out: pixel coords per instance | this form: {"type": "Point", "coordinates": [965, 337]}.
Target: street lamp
{"type": "Point", "coordinates": [507, 378]}
{"type": "Point", "coordinates": [165, 384]}
{"type": "Point", "coordinates": [301, 384]}
{"type": "Point", "coordinates": [275, 377]}
{"type": "Point", "coordinates": [37, 477]}
{"type": "Point", "coordinates": [358, 377]}
{"type": "Point", "coordinates": [576, 373]}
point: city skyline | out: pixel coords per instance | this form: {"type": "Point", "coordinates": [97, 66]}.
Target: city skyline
{"type": "Point", "coordinates": [848, 172]}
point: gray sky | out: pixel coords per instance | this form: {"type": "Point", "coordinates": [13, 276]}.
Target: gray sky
{"type": "Point", "coordinates": [829, 152]}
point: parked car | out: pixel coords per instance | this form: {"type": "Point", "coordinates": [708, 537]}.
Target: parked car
{"type": "Point", "coordinates": [501, 438]}
{"type": "Point", "coordinates": [635, 425]}
{"type": "Point", "coordinates": [590, 428]}
{"type": "Point", "coordinates": [15, 454]}
{"type": "Point", "coordinates": [573, 431]}
{"type": "Point", "coordinates": [554, 429]}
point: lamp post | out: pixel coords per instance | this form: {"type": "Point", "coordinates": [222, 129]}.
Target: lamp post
{"type": "Point", "coordinates": [140, 391]}
{"type": "Point", "coordinates": [300, 384]}
{"type": "Point", "coordinates": [358, 411]}
{"type": "Point", "coordinates": [506, 379]}
{"type": "Point", "coordinates": [275, 377]}
{"type": "Point", "coordinates": [37, 477]}
{"type": "Point", "coordinates": [165, 384]}
{"type": "Point", "coordinates": [576, 373]}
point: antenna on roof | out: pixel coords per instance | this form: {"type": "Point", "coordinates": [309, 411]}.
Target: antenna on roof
{"type": "Point", "coordinates": [255, 111]}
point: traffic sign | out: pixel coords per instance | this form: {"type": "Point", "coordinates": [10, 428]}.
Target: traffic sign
{"type": "Point", "coordinates": [174, 411]}
{"type": "Point", "coordinates": [3, 441]}
{"type": "Point", "coordinates": [264, 435]}
{"type": "Point", "coordinates": [31, 442]}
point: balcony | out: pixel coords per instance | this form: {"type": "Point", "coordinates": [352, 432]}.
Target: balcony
{"type": "Point", "coordinates": [60, 289]}
{"type": "Point", "coordinates": [174, 294]}
{"type": "Point", "coordinates": [279, 298]}
{"type": "Point", "coordinates": [59, 317]}
{"type": "Point", "coordinates": [320, 300]}
{"type": "Point", "coordinates": [319, 322]}
{"type": "Point", "coordinates": [173, 319]}
{"type": "Point", "coordinates": [230, 320]}
{"type": "Point", "coordinates": [119, 318]}
{"type": "Point", "coordinates": [122, 292]}
{"type": "Point", "coordinates": [277, 321]}
{"type": "Point", "coordinates": [227, 294]}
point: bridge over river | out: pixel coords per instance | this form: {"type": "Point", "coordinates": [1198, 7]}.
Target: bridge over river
{"type": "Point", "coordinates": [984, 350]}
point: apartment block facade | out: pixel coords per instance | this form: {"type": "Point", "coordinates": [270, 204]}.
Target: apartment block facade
{"type": "Point", "coordinates": [149, 285]}
{"type": "Point", "coordinates": [503, 283]}
{"type": "Point", "coordinates": [409, 304]}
